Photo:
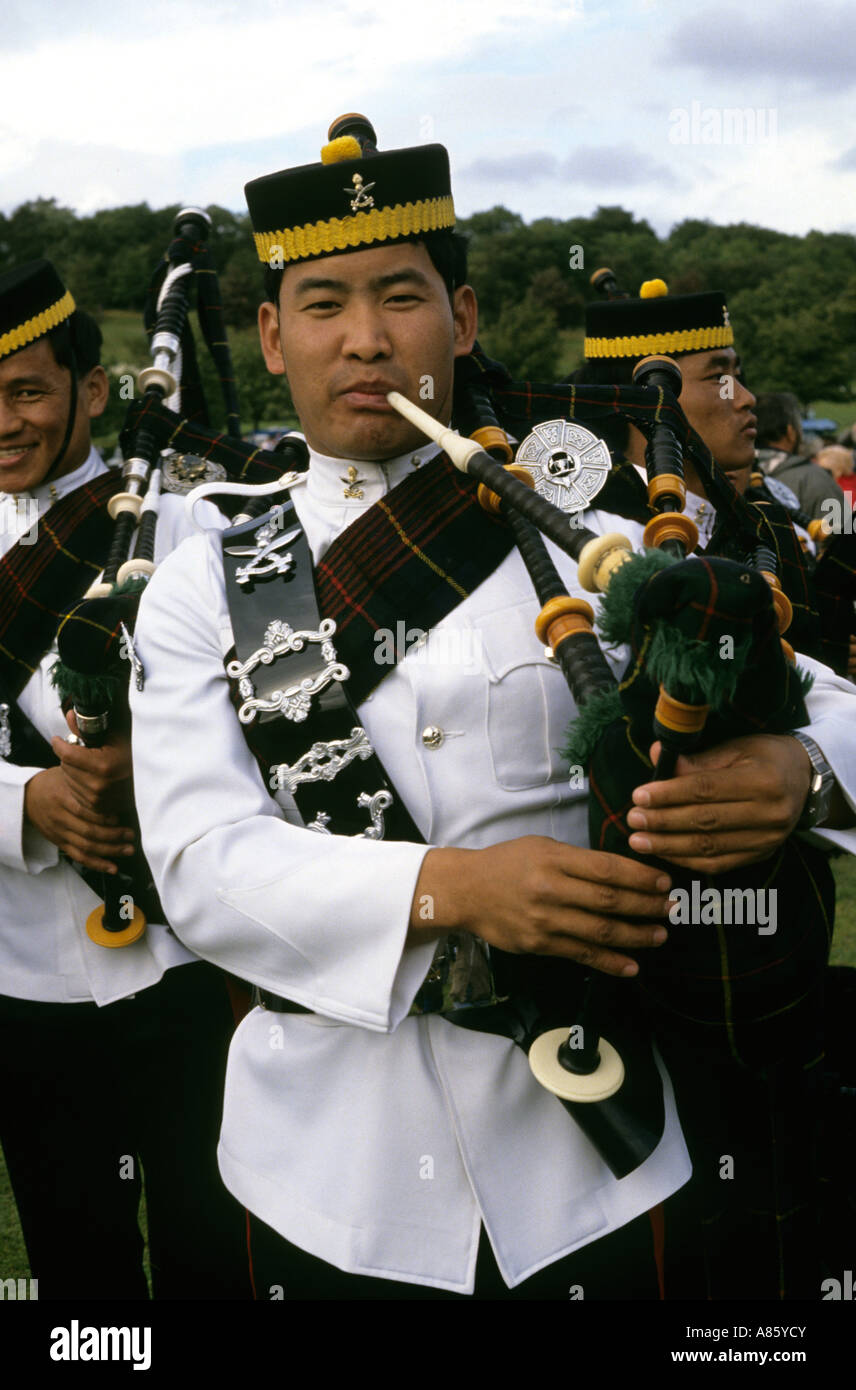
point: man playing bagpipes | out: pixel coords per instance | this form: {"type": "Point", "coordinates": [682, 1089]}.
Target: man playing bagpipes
{"type": "Point", "coordinates": [382, 1151]}
{"type": "Point", "coordinates": [109, 1059]}
{"type": "Point", "coordinates": [745, 1213]}
{"type": "Point", "coordinates": [718, 405]}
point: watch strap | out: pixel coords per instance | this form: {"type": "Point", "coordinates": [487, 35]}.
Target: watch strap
{"type": "Point", "coordinates": [822, 782]}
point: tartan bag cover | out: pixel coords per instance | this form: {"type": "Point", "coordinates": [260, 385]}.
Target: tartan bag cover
{"type": "Point", "coordinates": [732, 986]}
{"type": "Point", "coordinates": [740, 1009]}
{"type": "Point", "coordinates": [39, 582]}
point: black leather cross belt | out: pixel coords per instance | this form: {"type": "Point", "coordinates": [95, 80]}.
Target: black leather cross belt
{"type": "Point", "coordinates": [276, 1003]}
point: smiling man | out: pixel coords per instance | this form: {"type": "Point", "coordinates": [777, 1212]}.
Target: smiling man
{"type": "Point", "coordinates": [93, 1042]}
{"type": "Point", "coordinates": [419, 812]}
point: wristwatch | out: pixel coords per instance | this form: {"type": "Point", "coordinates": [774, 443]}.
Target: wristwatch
{"type": "Point", "coordinates": [816, 808]}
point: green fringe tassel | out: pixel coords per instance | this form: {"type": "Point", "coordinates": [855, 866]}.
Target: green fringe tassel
{"type": "Point", "coordinates": [694, 671]}
{"type": "Point", "coordinates": [615, 614]}
{"type": "Point", "coordinates": [93, 692]}
{"type": "Point", "coordinates": [806, 680]}
{"type": "Point", "coordinates": [591, 722]}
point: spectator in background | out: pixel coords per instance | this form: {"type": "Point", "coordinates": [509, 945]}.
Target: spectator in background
{"type": "Point", "coordinates": [838, 461]}
{"type": "Point", "coordinates": [848, 437]}
{"type": "Point", "coordinates": [782, 452]}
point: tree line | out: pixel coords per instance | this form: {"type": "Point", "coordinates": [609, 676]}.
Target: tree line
{"type": "Point", "coordinates": [792, 299]}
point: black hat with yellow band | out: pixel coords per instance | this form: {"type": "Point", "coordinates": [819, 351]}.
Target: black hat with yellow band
{"type": "Point", "coordinates": [355, 198]}
{"type": "Point", "coordinates": [33, 301]}
{"type": "Point", "coordinates": [657, 322]}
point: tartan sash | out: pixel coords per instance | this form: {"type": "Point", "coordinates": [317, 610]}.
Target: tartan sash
{"type": "Point", "coordinates": [413, 556]}
{"type": "Point", "coordinates": [741, 524]}
{"type": "Point", "coordinates": [40, 582]}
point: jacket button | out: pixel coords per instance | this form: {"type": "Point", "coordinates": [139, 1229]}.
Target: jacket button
{"type": "Point", "coordinates": [432, 737]}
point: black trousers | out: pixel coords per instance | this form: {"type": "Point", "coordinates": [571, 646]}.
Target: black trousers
{"type": "Point", "coordinates": [621, 1265]}
{"type": "Point", "coordinates": [91, 1099]}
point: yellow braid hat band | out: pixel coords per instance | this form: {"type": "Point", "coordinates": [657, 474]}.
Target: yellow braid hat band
{"type": "Point", "coordinates": [364, 228]}
{"type": "Point", "coordinates": [36, 327]}
{"type": "Point", "coordinates": [641, 345]}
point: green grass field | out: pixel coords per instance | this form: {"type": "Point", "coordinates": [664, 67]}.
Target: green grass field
{"type": "Point", "coordinates": [842, 412]}
{"type": "Point", "coordinates": [13, 1256]}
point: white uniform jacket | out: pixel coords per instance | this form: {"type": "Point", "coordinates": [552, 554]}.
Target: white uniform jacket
{"type": "Point", "coordinates": [376, 1141]}
{"type": "Point", "coordinates": [45, 953]}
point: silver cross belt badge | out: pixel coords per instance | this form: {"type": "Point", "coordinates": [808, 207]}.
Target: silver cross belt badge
{"type": "Point", "coordinates": [264, 560]}
{"type": "Point", "coordinates": [361, 200]}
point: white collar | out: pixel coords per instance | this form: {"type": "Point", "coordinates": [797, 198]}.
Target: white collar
{"type": "Point", "coordinates": [698, 509]}
{"type": "Point", "coordinates": [51, 492]}
{"type": "Point", "coordinates": [355, 484]}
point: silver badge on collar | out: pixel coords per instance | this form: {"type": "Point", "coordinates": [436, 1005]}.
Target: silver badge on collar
{"type": "Point", "coordinates": [569, 463]}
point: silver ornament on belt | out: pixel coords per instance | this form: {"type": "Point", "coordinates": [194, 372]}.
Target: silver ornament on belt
{"type": "Point", "coordinates": [322, 762]}
{"type": "Point", "coordinates": [5, 732]}
{"type": "Point", "coordinates": [294, 702]}
{"type": "Point", "coordinates": [373, 802]}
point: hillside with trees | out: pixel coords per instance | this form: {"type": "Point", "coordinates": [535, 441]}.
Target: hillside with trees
{"type": "Point", "coordinates": [792, 299]}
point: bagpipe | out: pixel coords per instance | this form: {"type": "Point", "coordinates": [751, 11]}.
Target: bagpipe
{"type": "Point", "coordinates": [95, 638]}
{"type": "Point", "coordinates": [707, 664]}
{"type": "Point", "coordinates": [831, 570]}
{"type": "Point", "coordinates": [770, 490]}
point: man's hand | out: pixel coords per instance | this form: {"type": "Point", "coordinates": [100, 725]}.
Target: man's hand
{"type": "Point", "coordinates": [86, 836]}
{"type": "Point", "coordinates": [726, 807]}
{"type": "Point", "coordinates": [98, 777]}
{"type": "Point", "coordinates": [538, 896]}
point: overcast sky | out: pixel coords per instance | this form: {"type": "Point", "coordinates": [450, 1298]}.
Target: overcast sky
{"type": "Point", "coordinates": [671, 108]}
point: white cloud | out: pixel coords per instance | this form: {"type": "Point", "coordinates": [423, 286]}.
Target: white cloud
{"type": "Point", "coordinates": [197, 84]}
{"type": "Point", "coordinates": [106, 103]}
